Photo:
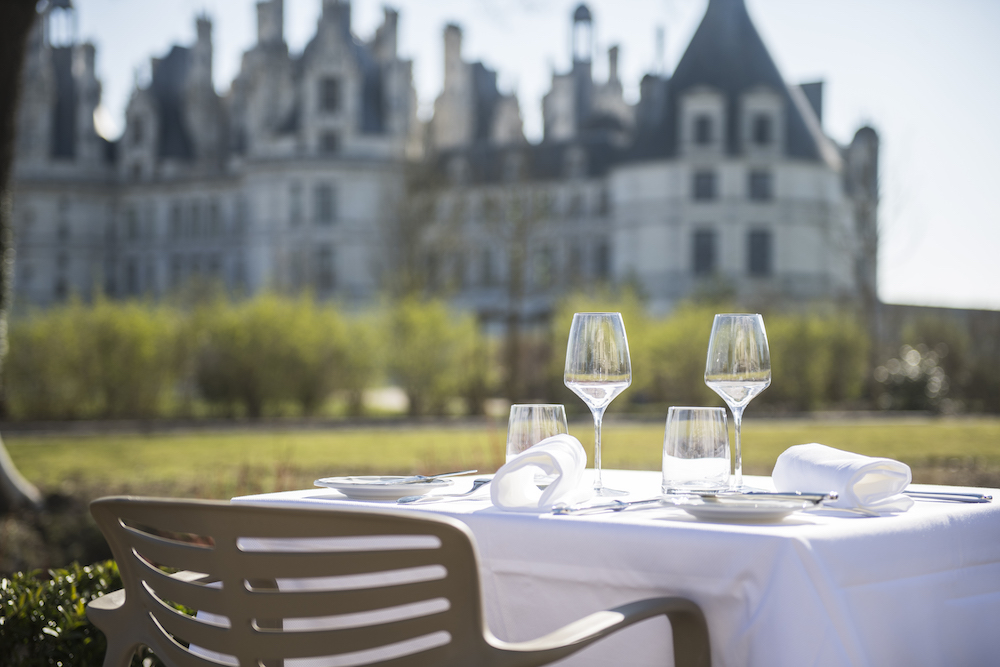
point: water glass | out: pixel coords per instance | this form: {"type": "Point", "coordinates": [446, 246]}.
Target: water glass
{"type": "Point", "coordinates": [530, 423]}
{"type": "Point", "coordinates": [696, 450]}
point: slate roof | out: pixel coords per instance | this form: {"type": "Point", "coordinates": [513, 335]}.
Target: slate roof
{"type": "Point", "coordinates": [167, 88]}
{"type": "Point", "coordinates": [728, 55]}
{"type": "Point", "coordinates": [372, 111]}
{"type": "Point", "coordinates": [64, 113]}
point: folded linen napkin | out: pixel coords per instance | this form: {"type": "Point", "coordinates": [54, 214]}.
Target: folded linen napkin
{"type": "Point", "coordinates": [865, 482]}
{"type": "Point", "coordinates": [514, 489]}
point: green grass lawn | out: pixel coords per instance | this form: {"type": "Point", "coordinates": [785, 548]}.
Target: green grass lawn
{"type": "Point", "coordinates": [220, 464]}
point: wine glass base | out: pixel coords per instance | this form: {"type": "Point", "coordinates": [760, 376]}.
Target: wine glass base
{"type": "Point", "coordinates": [605, 492]}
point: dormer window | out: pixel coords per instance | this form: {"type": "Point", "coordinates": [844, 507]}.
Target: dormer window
{"type": "Point", "coordinates": [763, 130]}
{"type": "Point", "coordinates": [329, 94]}
{"type": "Point", "coordinates": [703, 130]}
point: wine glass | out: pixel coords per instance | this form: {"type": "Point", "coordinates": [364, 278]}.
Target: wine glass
{"type": "Point", "coordinates": [530, 423]}
{"type": "Point", "coordinates": [737, 369]}
{"type": "Point", "coordinates": [598, 368]}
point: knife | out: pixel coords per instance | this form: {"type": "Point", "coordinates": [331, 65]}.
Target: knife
{"type": "Point", "coordinates": [955, 497]}
{"type": "Point", "coordinates": [420, 479]}
{"type": "Point", "coordinates": [679, 499]}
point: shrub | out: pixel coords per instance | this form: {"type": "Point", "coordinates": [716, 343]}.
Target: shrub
{"type": "Point", "coordinates": [267, 351]}
{"type": "Point", "coordinates": [107, 359]}
{"type": "Point", "coordinates": [43, 617]}
{"type": "Point", "coordinates": [423, 340]}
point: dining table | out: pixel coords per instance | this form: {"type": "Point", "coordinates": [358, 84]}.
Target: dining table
{"type": "Point", "coordinates": [816, 587]}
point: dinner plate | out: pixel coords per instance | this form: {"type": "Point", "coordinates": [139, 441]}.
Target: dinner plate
{"type": "Point", "coordinates": [759, 511]}
{"type": "Point", "coordinates": [380, 488]}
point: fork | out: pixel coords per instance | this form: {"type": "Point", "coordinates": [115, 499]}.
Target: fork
{"type": "Point", "coordinates": [476, 483]}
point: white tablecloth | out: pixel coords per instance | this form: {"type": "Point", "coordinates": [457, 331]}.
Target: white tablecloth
{"type": "Point", "coordinates": [919, 588]}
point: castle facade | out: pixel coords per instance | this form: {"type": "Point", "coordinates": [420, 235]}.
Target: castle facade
{"type": "Point", "coordinates": [720, 178]}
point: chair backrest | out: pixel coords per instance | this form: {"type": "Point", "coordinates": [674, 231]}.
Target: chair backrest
{"type": "Point", "coordinates": [284, 583]}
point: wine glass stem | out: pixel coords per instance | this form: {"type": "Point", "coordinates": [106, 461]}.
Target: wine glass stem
{"type": "Point", "coordinates": [738, 463]}
{"type": "Point", "coordinates": [598, 419]}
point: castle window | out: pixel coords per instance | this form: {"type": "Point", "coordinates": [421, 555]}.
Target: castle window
{"type": "Point", "coordinates": [295, 204]}
{"type": "Point", "coordinates": [131, 277]}
{"type": "Point", "coordinates": [195, 219]}
{"type": "Point", "coordinates": [759, 262]}
{"type": "Point", "coordinates": [214, 219]}
{"type": "Point", "coordinates": [704, 186]}
{"type": "Point", "coordinates": [703, 130]}
{"type": "Point", "coordinates": [329, 143]}
{"type": "Point", "coordinates": [487, 272]}
{"type": "Point", "coordinates": [326, 205]}
{"type": "Point", "coordinates": [603, 261]}
{"type": "Point", "coordinates": [604, 202]}
{"type": "Point", "coordinates": [575, 204]}
{"type": "Point", "coordinates": [760, 185]}
{"type": "Point", "coordinates": [324, 269]}
{"type": "Point", "coordinates": [176, 217]}
{"type": "Point", "coordinates": [137, 131]}
{"type": "Point", "coordinates": [543, 267]}
{"type": "Point", "coordinates": [132, 224]}
{"type": "Point", "coordinates": [704, 252]}
{"type": "Point", "coordinates": [763, 130]}
{"type": "Point", "coordinates": [329, 94]}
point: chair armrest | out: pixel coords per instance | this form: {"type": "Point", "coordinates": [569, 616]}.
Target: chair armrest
{"type": "Point", "coordinates": [689, 629]}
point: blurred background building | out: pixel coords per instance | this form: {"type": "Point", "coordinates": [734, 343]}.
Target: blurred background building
{"type": "Point", "coordinates": [720, 180]}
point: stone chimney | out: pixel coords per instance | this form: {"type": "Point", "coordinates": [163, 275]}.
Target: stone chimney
{"type": "Point", "coordinates": [270, 22]}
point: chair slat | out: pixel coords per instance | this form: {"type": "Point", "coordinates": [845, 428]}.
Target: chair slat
{"type": "Point", "coordinates": [312, 643]}
{"type": "Point", "coordinates": [190, 594]}
{"type": "Point", "coordinates": [282, 565]}
{"type": "Point", "coordinates": [179, 555]}
{"type": "Point", "coordinates": [193, 630]}
{"type": "Point", "coordinates": [295, 604]}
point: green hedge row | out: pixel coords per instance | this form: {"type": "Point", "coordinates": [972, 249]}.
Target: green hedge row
{"type": "Point", "coordinates": [266, 355]}
{"type": "Point", "coordinates": [274, 355]}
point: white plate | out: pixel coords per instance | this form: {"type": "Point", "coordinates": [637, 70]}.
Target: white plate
{"type": "Point", "coordinates": [744, 511]}
{"type": "Point", "coordinates": [380, 488]}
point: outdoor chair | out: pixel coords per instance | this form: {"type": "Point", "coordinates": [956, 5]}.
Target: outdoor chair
{"type": "Point", "coordinates": [273, 585]}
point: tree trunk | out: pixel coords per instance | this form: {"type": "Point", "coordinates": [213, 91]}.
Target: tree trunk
{"type": "Point", "coordinates": [16, 19]}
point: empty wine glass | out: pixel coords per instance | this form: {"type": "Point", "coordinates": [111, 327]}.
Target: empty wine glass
{"type": "Point", "coordinates": [737, 369]}
{"type": "Point", "coordinates": [598, 368]}
{"type": "Point", "coordinates": [530, 423]}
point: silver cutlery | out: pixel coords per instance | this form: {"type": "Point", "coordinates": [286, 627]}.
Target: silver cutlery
{"type": "Point", "coordinates": [816, 499]}
{"type": "Point", "coordinates": [421, 479]}
{"type": "Point", "coordinates": [953, 497]}
{"type": "Point", "coordinates": [612, 506]}
{"type": "Point", "coordinates": [476, 484]}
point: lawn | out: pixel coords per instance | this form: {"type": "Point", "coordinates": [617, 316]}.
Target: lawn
{"type": "Point", "coordinates": [223, 463]}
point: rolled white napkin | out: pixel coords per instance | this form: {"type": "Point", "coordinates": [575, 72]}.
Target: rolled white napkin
{"type": "Point", "coordinates": [513, 487]}
{"type": "Point", "coordinates": [861, 481]}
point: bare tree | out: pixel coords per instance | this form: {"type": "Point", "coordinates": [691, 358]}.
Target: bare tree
{"type": "Point", "coordinates": [863, 188]}
{"type": "Point", "coordinates": [16, 20]}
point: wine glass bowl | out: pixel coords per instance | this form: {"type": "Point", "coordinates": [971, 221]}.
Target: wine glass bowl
{"type": "Point", "coordinates": [738, 368]}
{"type": "Point", "coordinates": [530, 423]}
{"type": "Point", "coordinates": [598, 368]}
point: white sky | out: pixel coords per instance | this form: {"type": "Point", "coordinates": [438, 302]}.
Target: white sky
{"type": "Point", "coordinates": [924, 73]}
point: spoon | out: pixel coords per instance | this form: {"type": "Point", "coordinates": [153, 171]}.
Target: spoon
{"type": "Point", "coordinates": [476, 483]}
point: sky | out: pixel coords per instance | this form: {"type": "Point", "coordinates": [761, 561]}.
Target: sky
{"type": "Point", "coordinates": [923, 73]}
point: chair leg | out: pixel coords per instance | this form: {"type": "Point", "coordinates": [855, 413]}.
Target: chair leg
{"type": "Point", "coordinates": [119, 654]}
{"type": "Point", "coordinates": [690, 637]}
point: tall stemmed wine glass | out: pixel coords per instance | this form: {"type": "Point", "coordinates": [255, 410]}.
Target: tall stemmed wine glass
{"type": "Point", "coordinates": [737, 369]}
{"type": "Point", "coordinates": [598, 368]}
